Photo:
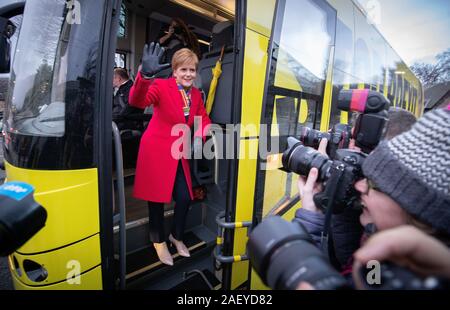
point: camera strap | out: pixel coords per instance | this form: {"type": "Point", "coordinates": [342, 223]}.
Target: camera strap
{"type": "Point", "coordinates": [327, 198]}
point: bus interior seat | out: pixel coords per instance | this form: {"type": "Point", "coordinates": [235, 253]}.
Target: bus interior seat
{"type": "Point", "coordinates": [222, 36]}
{"type": "Point", "coordinates": [221, 113]}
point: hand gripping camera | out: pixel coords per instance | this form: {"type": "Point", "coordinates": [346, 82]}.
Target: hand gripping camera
{"type": "Point", "coordinates": [368, 128]}
{"type": "Point", "coordinates": [338, 138]}
{"type": "Point", "coordinates": [338, 175]}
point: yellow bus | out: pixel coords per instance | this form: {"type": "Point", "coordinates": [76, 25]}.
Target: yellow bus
{"type": "Point", "coordinates": [284, 63]}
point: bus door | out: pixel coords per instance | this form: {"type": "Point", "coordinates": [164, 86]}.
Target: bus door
{"type": "Point", "coordinates": [297, 90]}
{"type": "Point", "coordinates": [55, 125]}
{"type": "Point", "coordinates": [215, 24]}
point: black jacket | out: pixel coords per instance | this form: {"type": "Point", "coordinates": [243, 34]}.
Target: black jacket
{"type": "Point", "coordinates": [347, 231]}
{"type": "Point", "coordinates": [125, 116]}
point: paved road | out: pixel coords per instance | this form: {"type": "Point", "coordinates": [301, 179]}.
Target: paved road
{"type": "Point", "coordinates": [5, 277]}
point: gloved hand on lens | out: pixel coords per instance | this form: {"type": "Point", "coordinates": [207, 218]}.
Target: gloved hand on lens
{"type": "Point", "coordinates": [151, 58]}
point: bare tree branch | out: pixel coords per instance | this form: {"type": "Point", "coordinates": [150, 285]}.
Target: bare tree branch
{"type": "Point", "coordinates": [431, 75]}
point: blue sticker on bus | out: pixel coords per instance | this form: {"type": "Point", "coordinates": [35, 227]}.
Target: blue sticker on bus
{"type": "Point", "coordinates": [16, 190]}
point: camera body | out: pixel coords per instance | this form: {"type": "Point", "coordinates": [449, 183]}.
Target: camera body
{"type": "Point", "coordinates": [338, 175]}
{"type": "Point", "coordinates": [178, 30]}
{"type": "Point", "coordinates": [368, 128]}
{"type": "Point", "coordinates": [371, 122]}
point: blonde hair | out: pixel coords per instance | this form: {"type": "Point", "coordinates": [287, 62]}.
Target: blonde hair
{"type": "Point", "coordinates": [184, 56]}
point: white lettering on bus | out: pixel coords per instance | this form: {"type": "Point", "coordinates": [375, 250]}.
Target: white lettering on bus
{"type": "Point", "coordinates": [73, 276]}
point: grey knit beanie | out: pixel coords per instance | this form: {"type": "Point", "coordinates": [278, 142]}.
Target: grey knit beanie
{"type": "Point", "coordinates": [414, 169]}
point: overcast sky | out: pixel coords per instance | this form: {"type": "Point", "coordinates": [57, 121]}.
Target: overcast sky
{"type": "Point", "coordinates": [418, 30]}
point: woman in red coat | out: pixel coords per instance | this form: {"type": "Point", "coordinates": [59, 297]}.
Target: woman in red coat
{"type": "Point", "coordinates": [162, 170]}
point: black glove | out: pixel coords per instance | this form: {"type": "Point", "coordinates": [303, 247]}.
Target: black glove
{"type": "Point", "coordinates": [151, 58]}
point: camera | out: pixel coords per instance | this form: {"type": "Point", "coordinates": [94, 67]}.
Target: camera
{"type": "Point", "coordinates": [368, 128]}
{"type": "Point", "coordinates": [21, 217]}
{"type": "Point", "coordinates": [338, 138]}
{"type": "Point", "coordinates": [371, 122]}
{"type": "Point", "coordinates": [283, 254]}
{"type": "Point", "coordinates": [338, 175]}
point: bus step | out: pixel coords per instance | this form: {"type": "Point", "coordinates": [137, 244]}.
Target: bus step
{"type": "Point", "coordinates": [197, 281]}
{"type": "Point", "coordinates": [145, 260]}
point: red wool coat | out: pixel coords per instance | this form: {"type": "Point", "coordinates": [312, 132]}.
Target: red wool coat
{"type": "Point", "coordinates": [156, 167]}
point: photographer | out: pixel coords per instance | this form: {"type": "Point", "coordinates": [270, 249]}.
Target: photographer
{"type": "Point", "coordinates": [347, 231]}
{"type": "Point", "coordinates": [346, 228]}
{"type": "Point", "coordinates": [407, 182]}
{"type": "Point", "coordinates": [177, 37]}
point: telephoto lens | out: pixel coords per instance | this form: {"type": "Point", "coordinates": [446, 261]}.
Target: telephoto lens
{"type": "Point", "coordinates": [284, 255]}
{"type": "Point", "coordinates": [346, 166]}
{"type": "Point", "coordinates": [300, 159]}
{"type": "Point", "coordinates": [311, 137]}
{"type": "Point", "coordinates": [338, 138]}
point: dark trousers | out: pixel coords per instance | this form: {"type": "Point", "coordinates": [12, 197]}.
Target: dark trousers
{"type": "Point", "coordinates": [156, 210]}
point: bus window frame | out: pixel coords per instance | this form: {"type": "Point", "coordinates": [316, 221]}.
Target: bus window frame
{"type": "Point", "coordinates": [32, 151]}
{"type": "Point", "coordinates": [271, 91]}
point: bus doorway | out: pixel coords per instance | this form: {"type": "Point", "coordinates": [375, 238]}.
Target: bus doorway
{"type": "Point", "coordinates": [142, 22]}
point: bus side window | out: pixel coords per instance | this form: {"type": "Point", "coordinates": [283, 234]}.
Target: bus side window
{"type": "Point", "coordinates": [9, 28]}
{"type": "Point", "coordinates": [6, 31]}
{"type": "Point", "coordinates": [7, 49]}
